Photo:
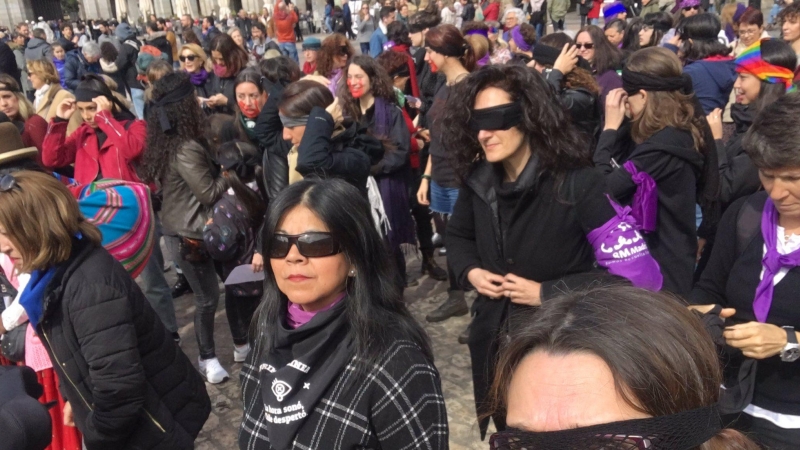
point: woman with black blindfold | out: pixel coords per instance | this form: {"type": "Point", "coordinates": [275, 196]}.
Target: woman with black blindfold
{"type": "Point", "coordinates": [656, 162]}
{"type": "Point", "coordinates": [606, 381]}
{"type": "Point", "coordinates": [533, 217]}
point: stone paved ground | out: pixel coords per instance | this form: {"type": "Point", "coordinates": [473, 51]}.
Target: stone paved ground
{"type": "Point", "coordinates": [452, 360]}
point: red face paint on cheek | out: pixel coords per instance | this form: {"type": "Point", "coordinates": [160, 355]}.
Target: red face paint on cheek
{"type": "Point", "coordinates": [434, 67]}
{"type": "Point", "coordinates": [355, 89]}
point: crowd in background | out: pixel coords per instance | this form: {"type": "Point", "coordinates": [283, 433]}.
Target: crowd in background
{"type": "Point", "coordinates": [624, 200]}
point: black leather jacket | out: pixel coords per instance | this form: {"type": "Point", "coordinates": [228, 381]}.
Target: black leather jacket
{"type": "Point", "coordinates": [190, 189]}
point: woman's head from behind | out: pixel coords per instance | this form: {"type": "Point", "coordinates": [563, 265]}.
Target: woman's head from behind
{"type": "Point", "coordinates": [653, 110]}
{"type": "Point", "coordinates": [334, 54]}
{"type": "Point", "coordinates": [396, 65]}
{"type": "Point", "coordinates": [446, 47]}
{"type": "Point", "coordinates": [605, 356]}
{"type": "Point", "coordinates": [39, 218]}
{"type": "Point", "coordinates": [653, 29]}
{"type": "Point", "coordinates": [700, 36]}
{"type": "Point", "coordinates": [772, 144]}
{"type": "Point", "coordinates": [397, 32]}
{"type": "Point", "coordinates": [173, 118]}
{"type": "Point", "coordinates": [511, 112]}
{"type": "Point", "coordinates": [319, 251]}
{"type": "Point", "coordinates": [757, 68]}
{"type": "Point", "coordinates": [299, 98]}
{"type": "Point", "coordinates": [281, 70]}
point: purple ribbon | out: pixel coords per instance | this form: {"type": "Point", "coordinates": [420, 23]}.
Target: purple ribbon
{"type": "Point", "coordinates": [519, 40]}
{"type": "Point", "coordinates": [484, 33]}
{"type": "Point", "coordinates": [644, 207]}
{"type": "Point", "coordinates": [772, 262]}
{"type": "Point", "coordinates": [483, 61]}
{"type": "Point", "coordinates": [388, 46]}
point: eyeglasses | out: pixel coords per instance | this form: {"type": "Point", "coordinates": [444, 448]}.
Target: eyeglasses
{"type": "Point", "coordinates": [690, 8]}
{"type": "Point", "coordinates": [8, 182]}
{"type": "Point", "coordinates": [748, 32]}
{"type": "Point", "coordinates": [191, 58]}
{"type": "Point", "coordinates": [587, 46]}
{"type": "Point", "coordinates": [310, 245]}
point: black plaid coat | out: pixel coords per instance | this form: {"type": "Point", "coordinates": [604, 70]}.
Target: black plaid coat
{"type": "Point", "coordinates": [397, 405]}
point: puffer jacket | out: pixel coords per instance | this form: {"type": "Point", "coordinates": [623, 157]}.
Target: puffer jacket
{"type": "Point", "coordinates": [130, 386]}
{"type": "Point", "coordinates": [76, 67]}
{"type": "Point", "coordinates": [191, 188]}
{"type": "Point", "coordinates": [128, 52]}
{"type": "Point", "coordinates": [159, 41]}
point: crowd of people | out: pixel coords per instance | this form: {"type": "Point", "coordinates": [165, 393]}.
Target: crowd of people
{"type": "Point", "coordinates": [623, 200]}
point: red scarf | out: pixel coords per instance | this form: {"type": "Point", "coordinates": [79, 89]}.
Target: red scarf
{"type": "Point", "coordinates": [402, 48]}
{"type": "Point", "coordinates": [309, 68]}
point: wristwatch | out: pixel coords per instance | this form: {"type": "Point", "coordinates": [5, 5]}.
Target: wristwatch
{"type": "Point", "coordinates": [791, 352]}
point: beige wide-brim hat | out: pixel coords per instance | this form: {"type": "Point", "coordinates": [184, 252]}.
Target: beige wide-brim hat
{"type": "Point", "coordinates": [11, 146]}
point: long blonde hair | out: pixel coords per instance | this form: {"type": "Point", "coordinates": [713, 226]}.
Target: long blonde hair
{"type": "Point", "coordinates": [25, 107]}
{"type": "Point", "coordinates": [41, 218]}
{"type": "Point", "coordinates": [663, 109]}
{"type": "Point", "coordinates": [200, 53]}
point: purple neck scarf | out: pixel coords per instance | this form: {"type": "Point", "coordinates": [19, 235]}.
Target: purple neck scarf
{"type": "Point", "coordinates": [644, 207]}
{"type": "Point", "coordinates": [519, 40]}
{"type": "Point", "coordinates": [297, 316]}
{"type": "Point", "coordinates": [772, 261]}
{"type": "Point", "coordinates": [198, 78]}
{"type": "Point", "coordinates": [484, 61]}
{"type": "Point", "coordinates": [336, 75]}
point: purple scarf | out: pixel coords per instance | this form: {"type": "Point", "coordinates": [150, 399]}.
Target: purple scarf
{"type": "Point", "coordinates": [772, 262]}
{"type": "Point", "coordinates": [336, 75]}
{"type": "Point", "coordinates": [198, 78]}
{"type": "Point", "coordinates": [297, 316]}
{"type": "Point", "coordinates": [644, 207]}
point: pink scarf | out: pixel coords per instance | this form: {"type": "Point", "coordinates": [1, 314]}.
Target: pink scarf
{"type": "Point", "coordinates": [297, 316]}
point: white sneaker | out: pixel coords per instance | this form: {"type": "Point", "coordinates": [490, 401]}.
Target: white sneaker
{"type": "Point", "coordinates": [212, 370]}
{"type": "Point", "coordinates": [240, 352]}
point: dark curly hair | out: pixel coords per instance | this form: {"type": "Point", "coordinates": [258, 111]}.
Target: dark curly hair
{"type": "Point", "coordinates": [333, 45]}
{"type": "Point", "coordinates": [281, 70]}
{"type": "Point", "coordinates": [578, 77]}
{"type": "Point", "coordinates": [546, 124]}
{"type": "Point", "coordinates": [397, 31]}
{"type": "Point", "coordinates": [380, 85]}
{"type": "Point", "coordinates": [186, 119]}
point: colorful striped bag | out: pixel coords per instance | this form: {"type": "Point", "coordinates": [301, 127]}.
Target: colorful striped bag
{"type": "Point", "coordinates": [123, 212]}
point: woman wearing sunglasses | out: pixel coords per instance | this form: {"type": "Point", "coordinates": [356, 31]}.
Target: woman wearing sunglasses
{"type": "Point", "coordinates": [332, 58]}
{"type": "Point", "coordinates": [194, 62]}
{"type": "Point", "coordinates": [688, 8]}
{"type": "Point", "coordinates": [604, 57]}
{"type": "Point", "coordinates": [600, 384]}
{"type": "Point", "coordinates": [556, 58]}
{"type": "Point", "coordinates": [337, 360]}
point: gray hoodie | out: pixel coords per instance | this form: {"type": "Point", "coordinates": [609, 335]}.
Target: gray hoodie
{"type": "Point", "coordinates": [38, 49]}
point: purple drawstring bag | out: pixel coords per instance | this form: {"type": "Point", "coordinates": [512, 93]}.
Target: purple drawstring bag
{"type": "Point", "coordinates": [644, 207]}
{"type": "Point", "coordinates": [620, 248]}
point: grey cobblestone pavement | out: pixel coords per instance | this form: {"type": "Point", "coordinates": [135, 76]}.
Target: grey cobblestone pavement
{"type": "Point", "coordinates": [452, 360]}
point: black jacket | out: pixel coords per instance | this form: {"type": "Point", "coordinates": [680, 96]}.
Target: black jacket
{"type": "Point", "coordinates": [66, 44]}
{"type": "Point", "coordinates": [670, 158]}
{"type": "Point", "coordinates": [225, 87]}
{"type": "Point", "coordinates": [244, 26]}
{"type": "Point", "coordinates": [429, 84]}
{"type": "Point", "coordinates": [209, 36]}
{"type": "Point", "coordinates": [469, 12]}
{"type": "Point", "coordinates": [533, 229]}
{"type": "Point", "coordinates": [269, 131]}
{"type": "Point", "coordinates": [129, 384]}
{"type": "Point", "coordinates": [8, 62]}
{"type": "Point", "coordinates": [191, 187]}
{"type": "Point", "coordinates": [738, 176]}
{"type": "Point", "coordinates": [128, 52]}
{"type": "Point", "coordinates": [76, 67]}
{"type": "Point", "coordinates": [395, 160]}
{"type": "Point", "coordinates": [348, 155]}
{"type": "Point", "coordinates": [583, 106]}
{"type": "Point", "coordinates": [205, 90]}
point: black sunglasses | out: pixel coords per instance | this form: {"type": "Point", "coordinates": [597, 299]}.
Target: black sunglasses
{"type": "Point", "coordinates": [689, 8]}
{"type": "Point", "coordinates": [8, 182]}
{"type": "Point", "coordinates": [190, 58]}
{"type": "Point", "coordinates": [310, 245]}
{"type": "Point", "coordinates": [587, 46]}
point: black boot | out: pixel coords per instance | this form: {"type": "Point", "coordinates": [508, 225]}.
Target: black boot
{"type": "Point", "coordinates": [463, 338]}
{"type": "Point", "coordinates": [455, 305]}
{"type": "Point", "coordinates": [181, 287]}
{"type": "Point", "coordinates": [430, 267]}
